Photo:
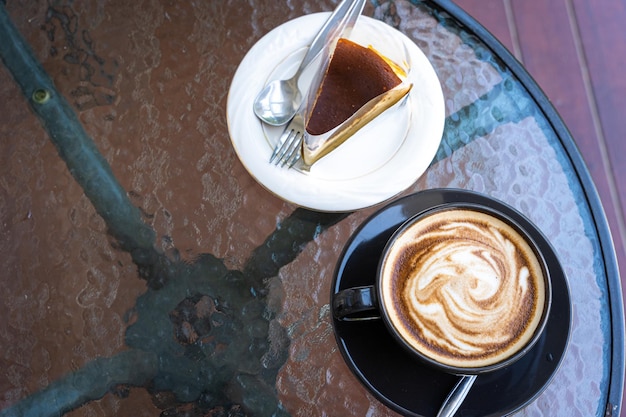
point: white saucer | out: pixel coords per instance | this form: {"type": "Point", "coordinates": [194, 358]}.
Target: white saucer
{"type": "Point", "coordinates": [378, 162]}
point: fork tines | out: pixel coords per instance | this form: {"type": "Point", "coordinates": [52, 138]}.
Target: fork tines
{"type": "Point", "coordinates": [287, 151]}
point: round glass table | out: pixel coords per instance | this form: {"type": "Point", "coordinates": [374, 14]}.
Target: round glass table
{"type": "Point", "coordinates": [146, 272]}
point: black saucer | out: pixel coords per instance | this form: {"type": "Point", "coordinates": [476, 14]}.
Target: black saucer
{"type": "Point", "coordinates": [405, 384]}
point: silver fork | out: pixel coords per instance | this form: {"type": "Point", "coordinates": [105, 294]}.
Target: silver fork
{"type": "Point", "coordinates": [288, 149]}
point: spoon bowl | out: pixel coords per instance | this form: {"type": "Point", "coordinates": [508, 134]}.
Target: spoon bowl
{"type": "Point", "coordinates": [278, 102]}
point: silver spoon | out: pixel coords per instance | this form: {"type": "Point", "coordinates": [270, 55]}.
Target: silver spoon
{"type": "Point", "coordinates": [278, 102]}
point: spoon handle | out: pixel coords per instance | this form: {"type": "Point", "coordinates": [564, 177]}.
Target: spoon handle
{"type": "Point", "coordinates": [340, 23]}
{"type": "Point", "coordinates": [454, 400]}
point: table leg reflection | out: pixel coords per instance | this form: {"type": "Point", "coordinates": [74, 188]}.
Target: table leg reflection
{"type": "Point", "coordinates": [227, 348]}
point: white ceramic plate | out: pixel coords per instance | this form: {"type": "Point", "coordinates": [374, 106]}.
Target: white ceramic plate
{"type": "Point", "coordinates": [378, 162]}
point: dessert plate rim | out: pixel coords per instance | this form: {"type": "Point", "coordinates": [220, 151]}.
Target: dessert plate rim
{"type": "Point", "coordinates": [411, 150]}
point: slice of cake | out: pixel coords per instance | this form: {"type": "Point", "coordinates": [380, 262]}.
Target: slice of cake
{"type": "Point", "coordinates": [359, 84]}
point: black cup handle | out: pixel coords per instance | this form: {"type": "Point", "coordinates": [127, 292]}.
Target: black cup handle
{"type": "Point", "coordinates": [356, 304]}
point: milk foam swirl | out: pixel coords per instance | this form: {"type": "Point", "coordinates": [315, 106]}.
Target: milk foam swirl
{"type": "Point", "coordinates": [468, 292]}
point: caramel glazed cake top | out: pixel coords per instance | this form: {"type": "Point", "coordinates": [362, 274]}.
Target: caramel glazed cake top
{"type": "Point", "coordinates": [354, 78]}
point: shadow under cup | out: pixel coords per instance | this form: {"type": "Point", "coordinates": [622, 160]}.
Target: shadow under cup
{"type": "Point", "coordinates": [462, 287]}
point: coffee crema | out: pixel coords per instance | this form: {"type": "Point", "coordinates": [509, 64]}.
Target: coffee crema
{"type": "Point", "coordinates": [463, 288]}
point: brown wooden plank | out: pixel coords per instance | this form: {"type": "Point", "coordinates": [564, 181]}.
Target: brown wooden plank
{"type": "Point", "coordinates": [604, 40]}
{"type": "Point", "coordinates": [492, 15]}
{"type": "Point", "coordinates": [549, 54]}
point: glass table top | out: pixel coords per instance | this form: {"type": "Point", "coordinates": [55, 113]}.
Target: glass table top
{"type": "Point", "coordinates": [146, 272]}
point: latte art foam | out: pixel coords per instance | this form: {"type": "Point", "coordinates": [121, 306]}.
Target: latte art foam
{"type": "Point", "coordinates": [463, 288]}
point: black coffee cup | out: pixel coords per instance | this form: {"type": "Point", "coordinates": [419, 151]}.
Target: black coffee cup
{"type": "Point", "coordinates": [462, 287]}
